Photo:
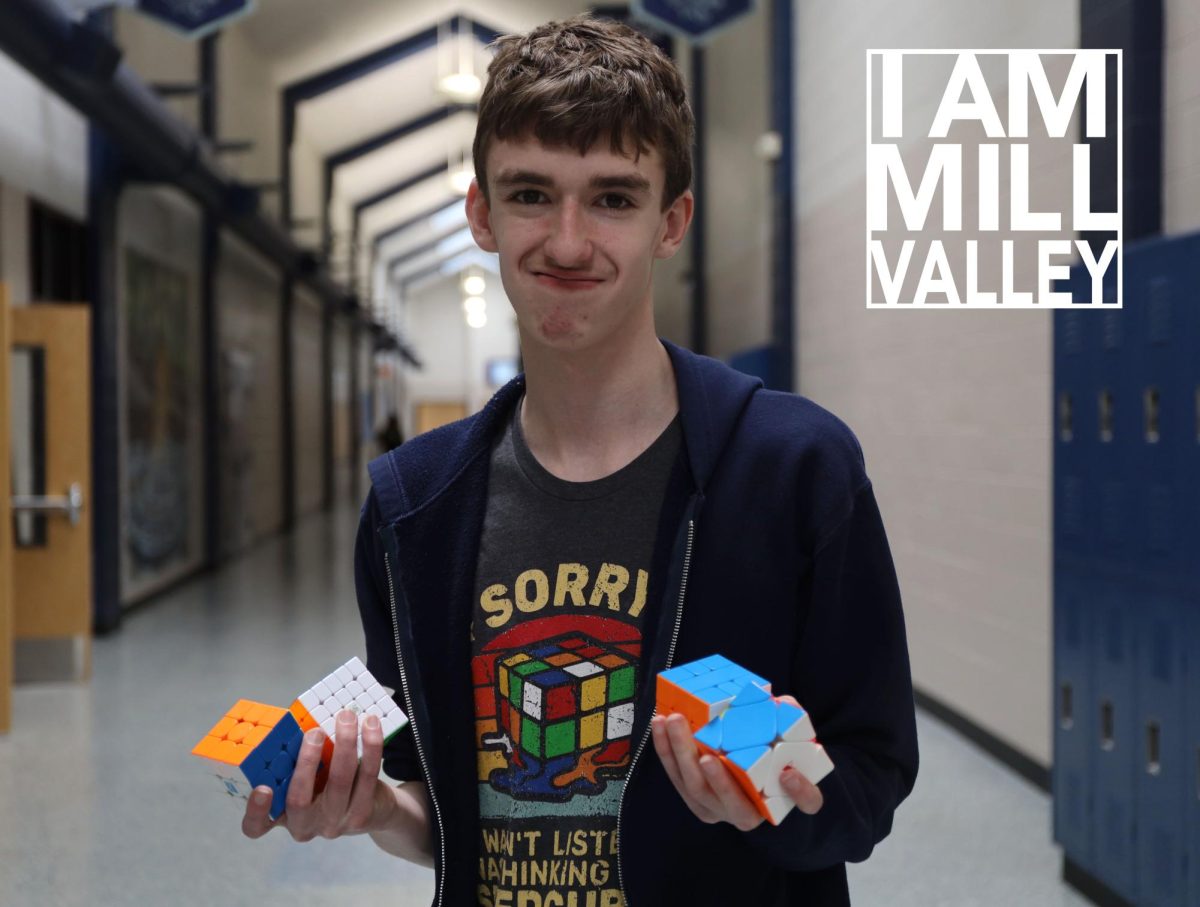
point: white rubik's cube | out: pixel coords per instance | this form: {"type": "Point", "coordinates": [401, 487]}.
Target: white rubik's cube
{"type": "Point", "coordinates": [351, 687]}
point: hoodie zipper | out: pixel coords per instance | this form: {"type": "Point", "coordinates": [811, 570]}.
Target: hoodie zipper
{"type": "Point", "coordinates": [437, 812]}
{"type": "Point", "coordinates": [687, 563]}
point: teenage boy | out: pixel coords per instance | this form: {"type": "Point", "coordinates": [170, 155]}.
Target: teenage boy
{"type": "Point", "coordinates": [624, 505]}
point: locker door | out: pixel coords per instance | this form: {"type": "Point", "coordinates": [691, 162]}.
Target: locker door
{"type": "Point", "coordinates": [1073, 713]}
{"type": "Point", "coordinates": [1162, 771]}
{"type": "Point", "coordinates": [1116, 742]}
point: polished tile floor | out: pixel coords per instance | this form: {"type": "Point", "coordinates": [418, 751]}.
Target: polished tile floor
{"type": "Point", "coordinates": [100, 803]}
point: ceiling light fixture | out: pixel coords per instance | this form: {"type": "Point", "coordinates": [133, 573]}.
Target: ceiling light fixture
{"type": "Point", "coordinates": [456, 64]}
{"type": "Point", "coordinates": [473, 283]}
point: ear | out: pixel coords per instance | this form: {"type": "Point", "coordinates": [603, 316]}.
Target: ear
{"type": "Point", "coordinates": [676, 220]}
{"type": "Point", "coordinates": [479, 218]}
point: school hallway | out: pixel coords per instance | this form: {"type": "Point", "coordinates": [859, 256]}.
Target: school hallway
{"type": "Point", "coordinates": [101, 802]}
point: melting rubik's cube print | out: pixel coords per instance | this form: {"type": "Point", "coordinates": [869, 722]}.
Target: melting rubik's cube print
{"type": "Point", "coordinates": [256, 744]}
{"type": "Point", "coordinates": [754, 734]}
{"type": "Point", "coordinates": [565, 696]}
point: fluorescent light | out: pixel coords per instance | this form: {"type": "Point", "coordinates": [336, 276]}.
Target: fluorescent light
{"type": "Point", "coordinates": [460, 179]}
{"type": "Point", "coordinates": [476, 319]}
{"type": "Point", "coordinates": [473, 305]}
{"type": "Point", "coordinates": [461, 86]}
{"type": "Point", "coordinates": [474, 285]}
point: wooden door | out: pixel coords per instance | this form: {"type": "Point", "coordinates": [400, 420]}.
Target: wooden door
{"type": "Point", "coordinates": [52, 548]}
{"type": "Point", "coordinates": [429, 416]}
{"type": "Point", "coordinates": [6, 614]}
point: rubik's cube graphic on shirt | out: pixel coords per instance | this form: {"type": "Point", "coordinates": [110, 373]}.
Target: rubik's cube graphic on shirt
{"type": "Point", "coordinates": [565, 696]}
{"type": "Point", "coordinates": [734, 717]}
{"type": "Point", "coordinates": [255, 744]}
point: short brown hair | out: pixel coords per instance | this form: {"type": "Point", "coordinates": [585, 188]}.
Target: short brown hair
{"type": "Point", "coordinates": [577, 81]}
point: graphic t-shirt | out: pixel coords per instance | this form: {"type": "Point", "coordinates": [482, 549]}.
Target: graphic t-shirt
{"type": "Point", "coordinates": [560, 592]}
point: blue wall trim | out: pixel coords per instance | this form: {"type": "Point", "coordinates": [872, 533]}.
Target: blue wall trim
{"type": "Point", "coordinates": [387, 234]}
{"type": "Point", "coordinates": [374, 143]}
{"type": "Point", "coordinates": [424, 247]}
{"type": "Point", "coordinates": [781, 77]}
{"type": "Point", "coordinates": [699, 327]}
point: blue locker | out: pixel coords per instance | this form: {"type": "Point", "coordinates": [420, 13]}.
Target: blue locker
{"type": "Point", "coordinates": [1073, 713]}
{"type": "Point", "coordinates": [1116, 743]}
{"type": "Point", "coordinates": [1190, 794]}
{"type": "Point", "coordinates": [1162, 768]}
{"type": "Point", "coordinates": [1188, 449]}
{"type": "Point", "coordinates": [1157, 275]}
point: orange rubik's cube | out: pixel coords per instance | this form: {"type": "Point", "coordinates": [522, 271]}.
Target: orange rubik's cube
{"type": "Point", "coordinates": [734, 717]}
{"type": "Point", "coordinates": [257, 744]}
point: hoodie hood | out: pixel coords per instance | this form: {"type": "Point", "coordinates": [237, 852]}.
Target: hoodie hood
{"type": "Point", "coordinates": [712, 397]}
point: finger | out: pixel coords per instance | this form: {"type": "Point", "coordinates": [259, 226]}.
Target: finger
{"type": "Point", "coordinates": [300, 790]}
{"type": "Point", "coordinates": [806, 795]}
{"type": "Point", "coordinates": [662, 746]}
{"type": "Point", "coordinates": [687, 757]}
{"type": "Point", "coordinates": [342, 770]}
{"type": "Point", "coordinates": [666, 755]}
{"type": "Point", "coordinates": [790, 700]}
{"type": "Point", "coordinates": [736, 807]}
{"type": "Point", "coordinates": [257, 820]}
{"type": "Point", "coordinates": [362, 799]}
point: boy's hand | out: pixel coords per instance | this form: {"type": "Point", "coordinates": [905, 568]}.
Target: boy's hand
{"type": "Point", "coordinates": [706, 785]}
{"type": "Point", "coordinates": [354, 800]}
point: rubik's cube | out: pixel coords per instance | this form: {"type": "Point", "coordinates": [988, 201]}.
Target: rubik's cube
{"type": "Point", "coordinates": [565, 696]}
{"type": "Point", "coordinates": [734, 717]}
{"type": "Point", "coordinates": [253, 744]}
{"type": "Point", "coordinates": [351, 687]}
{"type": "Point", "coordinates": [257, 744]}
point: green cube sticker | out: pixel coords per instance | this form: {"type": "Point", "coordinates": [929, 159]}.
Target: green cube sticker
{"type": "Point", "coordinates": [560, 738]}
{"type": "Point", "coordinates": [530, 667]}
{"type": "Point", "coordinates": [516, 687]}
{"type": "Point", "coordinates": [531, 736]}
{"type": "Point", "coordinates": [620, 684]}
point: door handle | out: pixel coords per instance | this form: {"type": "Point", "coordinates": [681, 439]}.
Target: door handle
{"type": "Point", "coordinates": [71, 505]}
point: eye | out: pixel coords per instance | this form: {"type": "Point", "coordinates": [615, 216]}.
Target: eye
{"type": "Point", "coordinates": [526, 196]}
{"type": "Point", "coordinates": [614, 201]}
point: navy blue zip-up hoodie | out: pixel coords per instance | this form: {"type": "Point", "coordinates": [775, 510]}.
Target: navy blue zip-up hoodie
{"type": "Point", "coordinates": [770, 551]}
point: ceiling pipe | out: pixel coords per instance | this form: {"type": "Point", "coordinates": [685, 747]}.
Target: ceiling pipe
{"type": "Point", "coordinates": [85, 69]}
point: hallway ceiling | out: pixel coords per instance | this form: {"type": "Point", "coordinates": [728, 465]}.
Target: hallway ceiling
{"type": "Point", "coordinates": [351, 121]}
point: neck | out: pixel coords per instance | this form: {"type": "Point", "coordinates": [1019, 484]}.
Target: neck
{"type": "Point", "coordinates": [588, 413]}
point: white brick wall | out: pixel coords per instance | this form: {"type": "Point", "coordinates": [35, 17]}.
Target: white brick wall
{"type": "Point", "coordinates": [1181, 116]}
{"type": "Point", "coordinates": [737, 188]}
{"type": "Point", "coordinates": [952, 408]}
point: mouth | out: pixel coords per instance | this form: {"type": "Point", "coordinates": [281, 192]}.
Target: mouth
{"type": "Point", "coordinates": [566, 282]}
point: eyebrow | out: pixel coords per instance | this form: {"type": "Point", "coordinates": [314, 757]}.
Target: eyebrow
{"type": "Point", "coordinates": [632, 182]}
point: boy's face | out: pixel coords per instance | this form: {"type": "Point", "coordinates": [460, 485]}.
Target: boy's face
{"type": "Point", "coordinates": [577, 238]}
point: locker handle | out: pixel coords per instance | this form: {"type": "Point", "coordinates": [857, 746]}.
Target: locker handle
{"type": "Point", "coordinates": [1066, 708]}
{"type": "Point", "coordinates": [1153, 744]}
{"type": "Point", "coordinates": [1106, 416]}
{"type": "Point", "coordinates": [1106, 726]}
{"type": "Point", "coordinates": [1066, 418]}
{"type": "Point", "coordinates": [1150, 405]}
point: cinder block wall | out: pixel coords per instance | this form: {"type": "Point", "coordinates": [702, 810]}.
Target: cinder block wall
{"type": "Point", "coordinates": [1181, 116]}
{"type": "Point", "coordinates": [952, 408]}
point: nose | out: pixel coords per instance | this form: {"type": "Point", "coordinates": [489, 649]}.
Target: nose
{"type": "Point", "coordinates": [569, 244]}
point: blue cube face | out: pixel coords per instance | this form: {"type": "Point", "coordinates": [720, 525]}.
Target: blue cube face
{"type": "Point", "coordinates": [748, 726]}
{"type": "Point", "coordinates": [274, 760]}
